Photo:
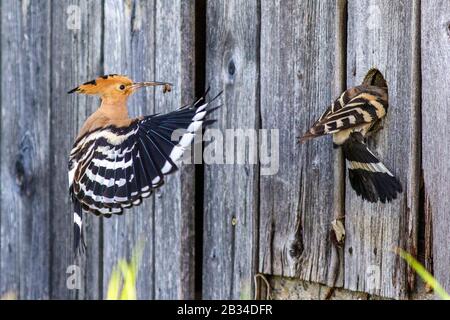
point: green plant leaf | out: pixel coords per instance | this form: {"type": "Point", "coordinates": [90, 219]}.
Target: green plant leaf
{"type": "Point", "coordinates": [424, 274]}
{"type": "Point", "coordinates": [126, 274]}
{"type": "Point", "coordinates": [114, 285]}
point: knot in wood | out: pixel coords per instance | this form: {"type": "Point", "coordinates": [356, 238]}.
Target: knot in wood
{"type": "Point", "coordinates": [296, 249]}
{"type": "Point", "coordinates": [23, 166]}
{"type": "Point", "coordinates": [231, 68]}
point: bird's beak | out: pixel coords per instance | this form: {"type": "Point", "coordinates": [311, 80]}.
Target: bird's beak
{"type": "Point", "coordinates": [167, 86]}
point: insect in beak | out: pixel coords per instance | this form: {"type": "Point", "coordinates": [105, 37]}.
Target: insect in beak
{"type": "Point", "coordinates": [167, 86]}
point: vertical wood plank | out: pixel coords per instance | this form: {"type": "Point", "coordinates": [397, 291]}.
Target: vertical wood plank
{"type": "Point", "coordinates": [129, 49]}
{"type": "Point", "coordinates": [175, 201]}
{"type": "Point", "coordinates": [435, 124]}
{"type": "Point", "coordinates": [380, 34]}
{"type": "Point", "coordinates": [25, 136]}
{"type": "Point", "coordinates": [230, 191]}
{"type": "Point", "coordinates": [76, 58]}
{"type": "Point", "coordinates": [133, 31]}
{"type": "Point", "coordinates": [298, 81]}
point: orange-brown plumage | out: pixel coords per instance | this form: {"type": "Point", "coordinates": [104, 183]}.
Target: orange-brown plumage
{"type": "Point", "coordinates": [350, 119]}
{"type": "Point", "coordinates": [116, 161]}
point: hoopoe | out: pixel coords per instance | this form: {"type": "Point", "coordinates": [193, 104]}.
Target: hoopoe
{"type": "Point", "coordinates": [116, 161]}
{"type": "Point", "coordinates": [355, 115]}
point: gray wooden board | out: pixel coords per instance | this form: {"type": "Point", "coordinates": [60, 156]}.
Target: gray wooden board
{"type": "Point", "coordinates": [165, 221]}
{"type": "Point", "coordinates": [276, 62]}
{"type": "Point", "coordinates": [297, 84]}
{"type": "Point", "coordinates": [380, 35]}
{"type": "Point", "coordinates": [435, 128]}
{"type": "Point", "coordinates": [129, 49]}
{"type": "Point", "coordinates": [175, 201]}
{"type": "Point", "coordinates": [76, 58]}
{"type": "Point", "coordinates": [230, 191]}
{"type": "Point", "coordinates": [25, 155]}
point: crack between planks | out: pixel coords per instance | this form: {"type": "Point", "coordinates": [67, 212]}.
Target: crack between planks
{"type": "Point", "coordinates": [257, 184]}
{"type": "Point", "coordinates": [199, 171]}
{"type": "Point", "coordinates": [414, 201]}
{"type": "Point", "coordinates": [336, 273]}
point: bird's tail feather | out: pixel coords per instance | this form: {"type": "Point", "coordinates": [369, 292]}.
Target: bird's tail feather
{"type": "Point", "coordinates": [368, 176]}
{"type": "Point", "coordinates": [78, 236]}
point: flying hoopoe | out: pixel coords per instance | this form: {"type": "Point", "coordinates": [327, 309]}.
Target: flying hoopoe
{"type": "Point", "coordinates": [350, 119]}
{"type": "Point", "coordinates": [116, 161]}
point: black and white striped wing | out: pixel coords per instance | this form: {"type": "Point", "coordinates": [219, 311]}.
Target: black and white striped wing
{"type": "Point", "coordinates": [338, 104]}
{"type": "Point", "coordinates": [364, 108]}
{"type": "Point", "coordinates": [368, 176]}
{"type": "Point", "coordinates": [115, 168]}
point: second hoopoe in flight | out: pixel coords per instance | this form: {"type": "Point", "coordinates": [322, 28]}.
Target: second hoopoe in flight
{"type": "Point", "coordinates": [350, 119]}
{"type": "Point", "coordinates": [116, 161]}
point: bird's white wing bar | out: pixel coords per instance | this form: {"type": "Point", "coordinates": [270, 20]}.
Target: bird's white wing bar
{"type": "Point", "coordinates": [116, 167]}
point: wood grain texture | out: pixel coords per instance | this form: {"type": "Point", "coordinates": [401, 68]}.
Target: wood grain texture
{"type": "Point", "coordinates": [230, 191]}
{"type": "Point", "coordinates": [280, 64]}
{"type": "Point", "coordinates": [76, 58]}
{"type": "Point", "coordinates": [175, 201]}
{"type": "Point", "coordinates": [25, 135]}
{"type": "Point", "coordinates": [165, 221]}
{"type": "Point", "coordinates": [298, 81]}
{"type": "Point", "coordinates": [129, 49]}
{"type": "Point", "coordinates": [435, 128]}
{"type": "Point", "coordinates": [380, 34]}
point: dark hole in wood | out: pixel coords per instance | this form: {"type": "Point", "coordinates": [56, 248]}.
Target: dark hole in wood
{"type": "Point", "coordinates": [231, 68]}
{"type": "Point", "coordinates": [296, 249]}
{"type": "Point", "coordinates": [424, 242]}
{"type": "Point", "coordinates": [20, 171]}
{"type": "Point", "coordinates": [350, 250]}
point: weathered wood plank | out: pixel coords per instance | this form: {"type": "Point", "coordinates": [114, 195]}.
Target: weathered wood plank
{"type": "Point", "coordinates": [129, 49]}
{"type": "Point", "coordinates": [435, 127]}
{"type": "Point", "coordinates": [164, 222]}
{"type": "Point", "coordinates": [175, 202]}
{"type": "Point", "coordinates": [380, 34]}
{"type": "Point", "coordinates": [76, 58]}
{"type": "Point", "coordinates": [231, 191]}
{"type": "Point", "coordinates": [299, 77]}
{"type": "Point", "coordinates": [25, 155]}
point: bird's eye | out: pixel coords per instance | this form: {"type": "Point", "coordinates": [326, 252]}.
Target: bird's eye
{"type": "Point", "coordinates": [122, 87]}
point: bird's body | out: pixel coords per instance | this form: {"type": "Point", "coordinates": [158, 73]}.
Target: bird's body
{"type": "Point", "coordinates": [116, 161]}
{"type": "Point", "coordinates": [350, 119]}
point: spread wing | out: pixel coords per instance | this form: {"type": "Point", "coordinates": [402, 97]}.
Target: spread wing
{"type": "Point", "coordinates": [355, 107]}
{"type": "Point", "coordinates": [113, 168]}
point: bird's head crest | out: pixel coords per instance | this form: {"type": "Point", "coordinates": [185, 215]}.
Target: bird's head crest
{"type": "Point", "coordinates": [114, 85]}
{"type": "Point", "coordinates": [374, 77]}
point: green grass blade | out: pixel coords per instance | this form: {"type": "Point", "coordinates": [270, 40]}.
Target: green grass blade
{"type": "Point", "coordinates": [424, 274]}
{"type": "Point", "coordinates": [114, 285]}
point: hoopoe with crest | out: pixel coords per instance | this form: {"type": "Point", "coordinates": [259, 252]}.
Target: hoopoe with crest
{"type": "Point", "coordinates": [354, 116]}
{"type": "Point", "coordinates": [116, 161]}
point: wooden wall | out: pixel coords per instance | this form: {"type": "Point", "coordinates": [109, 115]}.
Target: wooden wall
{"type": "Point", "coordinates": [211, 228]}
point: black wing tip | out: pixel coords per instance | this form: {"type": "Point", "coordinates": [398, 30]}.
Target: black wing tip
{"type": "Point", "coordinates": [374, 186]}
{"type": "Point", "coordinates": [79, 245]}
{"type": "Point", "coordinates": [217, 96]}
{"type": "Point", "coordinates": [205, 95]}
